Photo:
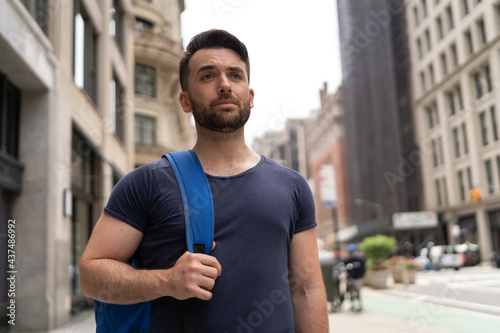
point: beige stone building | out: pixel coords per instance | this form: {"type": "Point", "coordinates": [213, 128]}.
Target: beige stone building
{"type": "Point", "coordinates": [70, 87]}
{"type": "Point", "coordinates": [160, 124]}
{"type": "Point", "coordinates": [455, 56]}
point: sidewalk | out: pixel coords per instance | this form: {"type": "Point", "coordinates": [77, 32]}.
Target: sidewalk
{"type": "Point", "coordinates": [382, 314]}
{"type": "Point", "coordinates": [345, 321]}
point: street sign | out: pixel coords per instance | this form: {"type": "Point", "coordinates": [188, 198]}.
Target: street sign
{"type": "Point", "coordinates": [414, 220]}
{"type": "Point", "coordinates": [327, 186]}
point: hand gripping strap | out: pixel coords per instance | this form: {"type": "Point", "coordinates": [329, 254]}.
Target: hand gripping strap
{"type": "Point", "coordinates": [196, 199]}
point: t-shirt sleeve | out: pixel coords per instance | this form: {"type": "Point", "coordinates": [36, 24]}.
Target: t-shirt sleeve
{"type": "Point", "coordinates": [131, 197]}
{"type": "Point", "coordinates": [306, 213]}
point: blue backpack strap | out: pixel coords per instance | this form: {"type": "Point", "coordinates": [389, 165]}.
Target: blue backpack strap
{"type": "Point", "coordinates": [196, 199]}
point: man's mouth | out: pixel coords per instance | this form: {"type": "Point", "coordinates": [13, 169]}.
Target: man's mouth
{"type": "Point", "coordinates": [225, 104]}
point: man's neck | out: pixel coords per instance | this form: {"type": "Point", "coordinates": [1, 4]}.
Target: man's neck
{"type": "Point", "coordinates": [224, 154]}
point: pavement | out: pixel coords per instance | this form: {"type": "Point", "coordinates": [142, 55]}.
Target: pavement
{"type": "Point", "coordinates": [382, 313]}
{"type": "Point", "coordinates": [343, 321]}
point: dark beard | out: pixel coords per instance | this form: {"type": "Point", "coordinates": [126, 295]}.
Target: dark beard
{"type": "Point", "coordinates": [220, 121]}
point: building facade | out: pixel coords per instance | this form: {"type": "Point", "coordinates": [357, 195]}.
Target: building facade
{"type": "Point", "coordinates": [160, 124]}
{"type": "Point", "coordinates": [67, 106]}
{"type": "Point", "coordinates": [325, 147]}
{"type": "Point", "coordinates": [383, 174]}
{"type": "Point", "coordinates": [455, 53]}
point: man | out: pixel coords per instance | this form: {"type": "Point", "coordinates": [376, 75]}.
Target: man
{"type": "Point", "coordinates": [263, 274]}
{"type": "Point", "coordinates": [355, 266]}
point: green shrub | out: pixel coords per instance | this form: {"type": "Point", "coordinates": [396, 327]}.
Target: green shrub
{"type": "Point", "coordinates": [377, 250]}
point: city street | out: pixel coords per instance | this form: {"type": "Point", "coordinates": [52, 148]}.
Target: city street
{"type": "Point", "coordinates": [441, 301]}
{"type": "Point", "coordinates": [444, 301]}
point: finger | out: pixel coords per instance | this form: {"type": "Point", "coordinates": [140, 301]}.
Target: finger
{"type": "Point", "coordinates": [207, 284]}
{"type": "Point", "coordinates": [213, 246]}
{"type": "Point", "coordinates": [211, 262]}
{"type": "Point", "coordinates": [204, 295]}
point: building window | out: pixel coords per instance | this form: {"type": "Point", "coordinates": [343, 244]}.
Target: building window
{"type": "Point", "coordinates": [457, 142]}
{"type": "Point", "coordinates": [459, 96]}
{"type": "Point", "coordinates": [431, 74]}
{"type": "Point", "coordinates": [85, 52]}
{"type": "Point", "coordinates": [454, 54]}
{"type": "Point", "coordinates": [145, 130]}
{"type": "Point", "coordinates": [498, 166]}
{"type": "Point", "coordinates": [424, 8]}
{"type": "Point", "coordinates": [415, 16]}
{"type": "Point", "coordinates": [117, 108]}
{"type": "Point", "coordinates": [443, 64]}
{"type": "Point", "coordinates": [464, 135]}
{"type": "Point", "coordinates": [494, 123]}
{"type": "Point", "coordinates": [439, 24]}
{"type": "Point", "coordinates": [10, 108]}
{"type": "Point", "coordinates": [482, 31]}
{"type": "Point", "coordinates": [445, 191]}
{"type": "Point", "coordinates": [422, 81]}
{"type": "Point", "coordinates": [465, 6]}
{"type": "Point", "coordinates": [449, 14]}
{"type": "Point", "coordinates": [484, 128]}
{"type": "Point", "coordinates": [432, 115]}
{"type": "Point", "coordinates": [461, 185]}
{"type": "Point", "coordinates": [434, 153]}
{"type": "Point", "coordinates": [451, 102]}
{"type": "Point", "coordinates": [489, 176]}
{"type": "Point", "coordinates": [117, 23]}
{"type": "Point", "coordinates": [39, 10]}
{"type": "Point", "coordinates": [487, 73]}
{"type": "Point", "coordinates": [145, 80]}
{"type": "Point", "coordinates": [141, 23]}
{"type": "Point", "coordinates": [468, 40]}
{"type": "Point", "coordinates": [469, 178]}
{"type": "Point", "coordinates": [440, 150]}
{"type": "Point", "coordinates": [428, 40]}
{"type": "Point", "coordinates": [419, 48]}
{"type": "Point", "coordinates": [438, 192]}
{"type": "Point", "coordinates": [478, 84]}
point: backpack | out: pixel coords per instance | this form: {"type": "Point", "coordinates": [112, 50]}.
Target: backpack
{"type": "Point", "coordinates": [199, 219]}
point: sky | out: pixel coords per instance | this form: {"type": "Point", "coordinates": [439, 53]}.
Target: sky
{"type": "Point", "coordinates": [293, 48]}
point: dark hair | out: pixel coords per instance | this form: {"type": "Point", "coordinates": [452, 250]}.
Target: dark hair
{"type": "Point", "coordinates": [211, 39]}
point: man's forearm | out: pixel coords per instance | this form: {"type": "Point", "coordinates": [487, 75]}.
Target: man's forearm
{"type": "Point", "coordinates": [310, 311]}
{"type": "Point", "coordinates": [115, 282]}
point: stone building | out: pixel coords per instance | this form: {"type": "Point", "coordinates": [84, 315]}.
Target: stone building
{"type": "Point", "coordinates": [455, 56]}
{"type": "Point", "coordinates": [67, 105]}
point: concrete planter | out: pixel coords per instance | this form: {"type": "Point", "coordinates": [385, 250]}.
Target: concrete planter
{"type": "Point", "coordinates": [403, 275]}
{"type": "Point", "coordinates": [377, 278]}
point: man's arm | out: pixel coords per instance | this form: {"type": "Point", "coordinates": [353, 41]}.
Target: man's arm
{"type": "Point", "coordinates": [106, 276]}
{"type": "Point", "coordinates": [306, 284]}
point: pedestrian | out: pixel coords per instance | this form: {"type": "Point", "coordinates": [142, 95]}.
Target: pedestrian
{"type": "Point", "coordinates": [355, 266]}
{"type": "Point", "coordinates": [263, 274]}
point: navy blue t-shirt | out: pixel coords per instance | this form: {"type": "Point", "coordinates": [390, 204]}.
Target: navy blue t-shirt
{"type": "Point", "coordinates": [256, 215]}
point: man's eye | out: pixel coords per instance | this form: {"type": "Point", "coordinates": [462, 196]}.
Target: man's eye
{"type": "Point", "coordinates": [207, 76]}
{"type": "Point", "coordinates": [236, 76]}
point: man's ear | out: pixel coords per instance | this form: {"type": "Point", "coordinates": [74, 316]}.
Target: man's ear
{"type": "Point", "coordinates": [185, 103]}
{"type": "Point", "coordinates": [251, 93]}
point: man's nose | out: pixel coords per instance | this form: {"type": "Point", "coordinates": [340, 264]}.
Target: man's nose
{"type": "Point", "coordinates": [225, 85]}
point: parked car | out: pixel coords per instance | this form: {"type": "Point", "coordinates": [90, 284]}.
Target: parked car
{"type": "Point", "coordinates": [471, 253]}
{"type": "Point", "coordinates": [440, 256]}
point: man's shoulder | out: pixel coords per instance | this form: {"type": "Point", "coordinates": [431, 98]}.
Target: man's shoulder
{"type": "Point", "coordinates": [277, 167]}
